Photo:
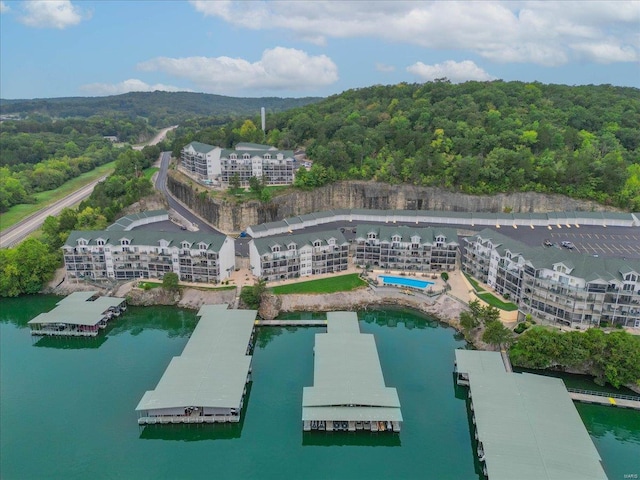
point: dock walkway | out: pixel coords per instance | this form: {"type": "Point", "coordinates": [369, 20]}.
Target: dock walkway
{"type": "Point", "coordinates": [291, 323]}
{"type": "Point", "coordinates": [604, 398]}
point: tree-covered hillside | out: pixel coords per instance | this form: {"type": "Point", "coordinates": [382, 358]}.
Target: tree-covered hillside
{"type": "Point", "coordinates": [473, 137]}
{"type": "Point", "coordinates": [161, 109]}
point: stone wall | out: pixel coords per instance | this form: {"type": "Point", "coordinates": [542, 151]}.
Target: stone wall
{"type": "Point", "coordinates": [230, 217]}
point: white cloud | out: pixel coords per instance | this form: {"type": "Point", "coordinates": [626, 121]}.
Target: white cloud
{"type": "Point", "coordinates": [381, 67]}
{"type": "Point", "coordinates": [4, 8]}
{"type": "Point", "coordinates": [131, 85]}
{"type": "Point", "coordinates": [278, 69]}
{"type": "Point", "coordinates": [455, 71]}
{"type": "Point", "coordinates": [541, 32]}
{"type": "Point", "coordinates": [50, 14]}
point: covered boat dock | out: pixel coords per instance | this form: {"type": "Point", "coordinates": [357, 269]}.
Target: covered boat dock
{"type": "Point", "coordinates": [207, 382]}
{"type": "Point", "coordinates": [349, 391]}
{"type": "Point", "coordinates": [526, 425]}
{"type": "Point", "coordinates": [81, 314]}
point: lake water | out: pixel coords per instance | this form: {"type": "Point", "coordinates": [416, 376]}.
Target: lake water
{"type": "Point", "coordinates": [67, 408]}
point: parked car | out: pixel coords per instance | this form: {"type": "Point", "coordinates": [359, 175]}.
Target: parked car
{"type": "Point", "coordinates": [568, 245]}
{"type": "Point", "coordinates": [548, 243]}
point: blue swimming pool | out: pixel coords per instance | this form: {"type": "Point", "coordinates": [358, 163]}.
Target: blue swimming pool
{"type": "Point", "coordinates": [404, 281]}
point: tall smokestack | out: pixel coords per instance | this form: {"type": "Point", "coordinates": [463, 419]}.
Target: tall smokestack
{"type": "Point", "coordinates": [262, 116]}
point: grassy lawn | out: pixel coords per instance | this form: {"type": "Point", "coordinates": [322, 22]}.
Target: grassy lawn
{"type": "Point", "coordinates": [148, 285]}
{"type": "Point", "coordinates": [496, 302]}
{"type": "Point", "coordinates": [474, 283]}
{"type": "Point", "coordinates": [19, 212]}
{"type": "Point", "coordinates": [342, 283]}
{"type": "Point", "coordinates": [148, 172]}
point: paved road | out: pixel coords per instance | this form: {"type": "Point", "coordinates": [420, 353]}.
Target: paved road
{"type": "Point", "coordinates": [161, 186]}
{"type": "Point", "coordinates": [18, 232]}
{"type": "Point", "coordinates": [157, 139]}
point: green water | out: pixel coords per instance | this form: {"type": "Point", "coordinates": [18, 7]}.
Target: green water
{"type": "Point", "coordinates": [67, 408]}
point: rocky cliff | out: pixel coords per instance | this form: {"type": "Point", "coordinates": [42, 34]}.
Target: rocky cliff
{"type": "Point", "coordinates": [231, 217]}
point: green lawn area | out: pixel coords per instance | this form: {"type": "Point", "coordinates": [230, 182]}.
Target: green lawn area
{"type": "Point", "coordinates": [148, 172]}
{"type": "Point", "coordinates": [342, 283]}
{"type": "Point", "coordinates": [474, 283]}
{"type": "Point", "coordinates": [19, 212]}
{"type": "Point", "coordinates": [496, 302]}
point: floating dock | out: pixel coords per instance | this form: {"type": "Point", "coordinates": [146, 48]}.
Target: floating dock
{"type": "Point", "coordinates": [526, 425]}
{"type": "Point", "coordinates": [291, 323]}
{"type": "Point", "coordinates": [81, 314]}
{"type": "Point", "coordinates": [207, 382]}
{"type": "Point", "coordinates": [605, 398]}
{"type": "Point", "coordinates": [349, 392]}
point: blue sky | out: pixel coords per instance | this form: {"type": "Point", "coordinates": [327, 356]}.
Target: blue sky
{"type": "Point", "coordinates": [308, 48]}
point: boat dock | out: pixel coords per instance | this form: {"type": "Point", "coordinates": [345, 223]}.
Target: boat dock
{"type": "Point", "coordinates": [525, 425]}
{"type": "Point", "coordinates": [207, 382]}
{"type": "Point", "coordinates": [605, 398]}
{"type": "Point", "coordinates": [291, 323]}
{"type": "Point", "coordinates": [81, 314]}
{"type": "Point", "coordinates": [349, 392]}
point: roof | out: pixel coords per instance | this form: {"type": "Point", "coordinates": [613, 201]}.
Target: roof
{"type": "Point", "coordinates": [265, 244]}
{"type": "Point", "coordinates": [427, 235]}
{"type": "Point", "coordinates": [79, 308]}
{"type": "Point", "coordinates": [478, 361]}
{"type": "Point", "coordinates": [348, 380]}
{"type": "Point", "coordinates": [201, 147]}
{"type": "Point", "coordinates": [253, 146]}
{"type": "Point", "coordinates": [214, 241]}
{"type": "Point", "coordinates": [582, 265]}
{"type": "Point", "coordinates": [213, 367]}
{"type": "Point", "coordinates": [124, 223]}
{"type": "Point", "coordinates": [528, 425]}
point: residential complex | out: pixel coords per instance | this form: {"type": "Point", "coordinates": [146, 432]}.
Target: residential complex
{"type": "Point", "coordinates": [406, 248]}
{"type": "Point", "coordinates": [292, 256]}
{"type": "Point", "coordinates": [247, 160]}
{"type": "Point", "coordinates": [554, 284]}
{"type": "Point", "coordinates": [124, 255]}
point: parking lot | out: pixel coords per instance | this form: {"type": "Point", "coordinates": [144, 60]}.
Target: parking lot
{"type": "Point", "coordinates": [601, 242]}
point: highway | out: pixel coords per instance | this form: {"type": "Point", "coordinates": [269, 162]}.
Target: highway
{"type": "Point", "coordinates": [18, 232]}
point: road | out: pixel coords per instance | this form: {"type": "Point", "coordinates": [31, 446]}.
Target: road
{"type": "Point", "coordinates": [161, 186]}
{"type": "Point", "coordinates": [22, 229]}
{"type": "Point", "coordinates": [18, 232]}
{"type": "Point", "coordinates": [157, 139]}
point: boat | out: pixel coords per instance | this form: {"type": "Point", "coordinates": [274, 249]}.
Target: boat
{"type": "Point", "coordinates": [388, 425]}
{"type": "Point", "coordinates": [381, 426]}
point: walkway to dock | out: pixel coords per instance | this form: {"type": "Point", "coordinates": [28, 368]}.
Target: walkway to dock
{"type": "Point", "coordinates": [604, 398]}
{"type": "Point", "coordinates": [291, 323]}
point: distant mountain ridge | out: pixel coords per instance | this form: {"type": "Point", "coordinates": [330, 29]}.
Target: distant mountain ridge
{"type": "Point", "coordinates": [157, 106]}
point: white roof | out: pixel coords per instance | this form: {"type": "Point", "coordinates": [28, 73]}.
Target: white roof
{"type": "Point", "coordinates": [348, 380]}
{"type": "Point", "coordinates": [213, 367]}
{"type": "Point", "coordinates": [78, 309]}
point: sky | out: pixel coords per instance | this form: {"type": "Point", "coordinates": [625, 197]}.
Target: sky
{"type": "Point", "coordinates": [61, 48]}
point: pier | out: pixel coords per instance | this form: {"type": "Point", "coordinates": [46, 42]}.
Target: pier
{"type": "Point", "coordinates": [207, 382]}
{"type": "Point", "coordinates": [604, 398]}
{"type": "Point", "coordinates": [348, 392]}
{"type": "Point", "coordinates": [291, 323]}
{"type": "Point", "coordinates": [525, 425]}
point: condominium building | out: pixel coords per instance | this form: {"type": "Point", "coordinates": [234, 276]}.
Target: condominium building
{"type": "Point", "coordinates": [247, 160]}
{"type": "Point", "coordinates": [557, 285]}
{"type": "Point", "coordinates": [123, 255]}
{"type": "Point", "coordinates": [292, 256]}
{"type": "Point", "coordinates": [406, 248]}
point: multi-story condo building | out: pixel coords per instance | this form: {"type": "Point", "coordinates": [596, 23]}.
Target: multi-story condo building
{"type": "Point", "coordinates": [406, 248]}
{"type": "Point", "coordinates": [247, 160]}
{"type": "Point", "coordinates": [557, 285]}
{"type": "Point", "coordinates": [123, 255]}
{"type": "Point", "coordinates": [292, 256]}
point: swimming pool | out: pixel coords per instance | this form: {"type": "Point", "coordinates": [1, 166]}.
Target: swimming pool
{"type": "Point", "coordinates": [404, 281]}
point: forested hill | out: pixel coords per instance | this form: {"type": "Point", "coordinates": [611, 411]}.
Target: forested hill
{"type": "Point", "coordinates": [160, 108]}
{"type": "Point", "coordinates": [582, 141]}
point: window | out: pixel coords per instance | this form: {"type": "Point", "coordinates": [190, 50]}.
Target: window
{"type": "Point", "coordinates": [100, 242]}
{"type": "Point", "coordinates": [275, 248]}
{"type": "Point", "coordinates": [371, 235]}
{"type": "Point", "coordinates": [203, 246]}
{"type": "Point", "coordinates": [124, 241]}
{"type": "Point", "coordinates": [82, 242]}
{"type": "Point", "coordinates": [317, 243]}
{"type": "Point", "coordinates": [292, 246]}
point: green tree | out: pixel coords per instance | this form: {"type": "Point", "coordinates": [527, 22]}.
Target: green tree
{"type": "Point", "coordinates": [468, 322]}
{"type": "Point", "coordinates": [234, 182]}
{"type": "Point", "coordinates": [251, 296]}
{"type": "Point", "coordinates": [170, 281]}
{"type": "Point", "coordinates": [497, 334]}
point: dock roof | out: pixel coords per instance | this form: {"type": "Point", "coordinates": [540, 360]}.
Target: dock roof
{"type": "Point", "coordinates": [348, 379]}
{"type": "Point", "coordinates": [79, 308]}
{"type": "Point", "coordinates": [528, 425]}
{"type": "Point", "coordinates": [213, 367]}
